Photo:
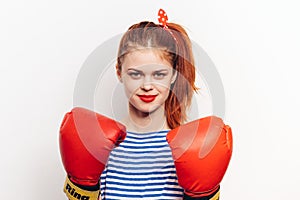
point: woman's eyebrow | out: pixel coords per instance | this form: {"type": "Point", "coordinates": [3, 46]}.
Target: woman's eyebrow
{"type": "Point", "coordinates": [162, 70]}
{"type": "Point", "coordinates": [134, 69]}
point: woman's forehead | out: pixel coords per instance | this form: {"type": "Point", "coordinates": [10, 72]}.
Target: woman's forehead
{"type": "Point", "coordinates": [150, 57]}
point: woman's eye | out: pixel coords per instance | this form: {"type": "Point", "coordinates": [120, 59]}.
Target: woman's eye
{"type": "Point", "coordinates": [159, 75]}
{"type": "Point", "coordinates": [135, 75]}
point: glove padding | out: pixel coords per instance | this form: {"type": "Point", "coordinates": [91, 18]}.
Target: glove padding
{"type": "Point", "coordinates": [201, 151]}
{"type": "Point", "coordinates": [86, 140]}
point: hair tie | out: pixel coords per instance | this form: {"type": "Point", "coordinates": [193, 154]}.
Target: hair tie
{"type": "Point", "coordinates": [163, 20]}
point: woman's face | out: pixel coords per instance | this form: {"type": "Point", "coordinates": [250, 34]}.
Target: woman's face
{"type": "Point", "coordinates": [147, 79]}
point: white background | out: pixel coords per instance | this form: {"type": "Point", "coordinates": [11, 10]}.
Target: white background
{"type": "Point", "coordinates": [254, 44]}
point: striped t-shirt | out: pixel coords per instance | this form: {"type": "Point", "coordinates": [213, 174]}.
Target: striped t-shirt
{"type": "Point", "coordinates": [141, 167]}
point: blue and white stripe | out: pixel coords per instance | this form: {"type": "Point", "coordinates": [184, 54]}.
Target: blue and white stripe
{"type": "Point", "coordinates": [141, 168]}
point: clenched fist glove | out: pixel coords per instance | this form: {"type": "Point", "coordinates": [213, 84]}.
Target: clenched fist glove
{"type": "Point", "coordinates": [86, 140]}
{"type": "Point", "coordinates": [201, 151]}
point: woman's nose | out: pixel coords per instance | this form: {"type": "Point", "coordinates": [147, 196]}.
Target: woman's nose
{"type": "Point", "coordinates": [147, 84]}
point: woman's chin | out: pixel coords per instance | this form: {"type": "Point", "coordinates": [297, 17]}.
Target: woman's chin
{"type": "Point", "coordinates": [147, 109]}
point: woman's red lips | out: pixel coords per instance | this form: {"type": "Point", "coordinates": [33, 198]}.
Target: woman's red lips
{"type": "Point", "coordinates": [147, 98]}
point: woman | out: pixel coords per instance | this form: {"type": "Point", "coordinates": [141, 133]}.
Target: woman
{"type": "Point", "coordinates": [156, 67]}
{"type": "Point", "coordinates": [155, 64]}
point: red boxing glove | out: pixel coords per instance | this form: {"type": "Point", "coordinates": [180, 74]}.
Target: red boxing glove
{"type": "Point", "coordinates": [201, 151]}
{"type": "Point", "coordinates": [86, 140]}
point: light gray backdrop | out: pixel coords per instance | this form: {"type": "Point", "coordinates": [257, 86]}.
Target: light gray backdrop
{"type": "Point", "coordinates": [253, 44]}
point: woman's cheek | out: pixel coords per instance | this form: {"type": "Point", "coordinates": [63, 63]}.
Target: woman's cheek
{"type": "Point", "coordinates": [164, 85]}
{"type": "Point", "coordinates": [131, 87]}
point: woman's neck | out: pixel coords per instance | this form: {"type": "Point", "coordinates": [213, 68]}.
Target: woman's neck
{"type": "Point", "coordinates": [141, 122]}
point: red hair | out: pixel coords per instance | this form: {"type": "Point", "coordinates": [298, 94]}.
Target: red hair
{"type": "Point", "coordinates": [176, 48]}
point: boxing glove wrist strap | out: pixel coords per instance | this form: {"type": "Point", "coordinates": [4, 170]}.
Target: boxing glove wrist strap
{"type": "Point", "coordinates": [213, 196]}
{"type": "Point", "coordinates": [75, 192]}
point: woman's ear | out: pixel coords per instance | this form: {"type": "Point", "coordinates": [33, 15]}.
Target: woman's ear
{"type": "Point", "coordinates": [118, 72]}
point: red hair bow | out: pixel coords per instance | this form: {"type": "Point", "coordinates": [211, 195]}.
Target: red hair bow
{"type": "Point", "coordinates": [163, 20]}
{"type": "Point", "coordinates": [162, 17]}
